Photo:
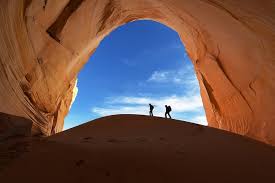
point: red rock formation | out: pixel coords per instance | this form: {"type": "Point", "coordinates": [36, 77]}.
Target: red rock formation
{"type": "Point", "coordinates": [44, 44]}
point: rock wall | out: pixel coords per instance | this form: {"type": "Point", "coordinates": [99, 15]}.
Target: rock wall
{"type": "Point", "coordinates": [44, 44]}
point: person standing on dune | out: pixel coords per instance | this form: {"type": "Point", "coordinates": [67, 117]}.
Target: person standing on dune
{"type": "Point", "coordinates": [151, 110]}
{"type": "Point", "coordinates": [168, 109]}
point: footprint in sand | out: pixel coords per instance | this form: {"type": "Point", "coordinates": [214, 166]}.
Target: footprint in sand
{"type": "Point", "coordinates": [79, 163]}
{"type": "Point", "coordinates": [87, 139]}
{"type": "Point", "coordinates": [107, 174]}
{"type": "Point", "coordinates": [141, 139]}
{"type": "Point", "coordinates": [113, 140]}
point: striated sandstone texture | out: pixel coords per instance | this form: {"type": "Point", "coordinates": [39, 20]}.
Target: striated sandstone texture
{"type": "Point", "coordinates": [45, 43]}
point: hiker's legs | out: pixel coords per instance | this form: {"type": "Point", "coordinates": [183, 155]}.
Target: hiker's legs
{"type": "Point", "coordinates": [169, 115]}
{"type": "Point", "coordinates": [165, 114]}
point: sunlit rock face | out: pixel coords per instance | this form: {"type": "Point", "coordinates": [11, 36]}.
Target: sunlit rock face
{"type": "Point", "coordinates": [44, 44]}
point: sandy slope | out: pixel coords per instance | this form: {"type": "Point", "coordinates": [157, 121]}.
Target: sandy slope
{"type": "Point", "coordinates": [130, 148]}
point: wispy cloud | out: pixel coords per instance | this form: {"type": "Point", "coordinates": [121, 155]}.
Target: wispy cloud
{"type": "Point", "coordinates": [200, 119]}
{"type": "Point", "coordinates": [110, 110]}
{"type": "Point", "coordinates": [162, 76]}
{"type": "Point", "coordinates": [179, 103]}
{"type": "Point", "coordinates": [183, 76]}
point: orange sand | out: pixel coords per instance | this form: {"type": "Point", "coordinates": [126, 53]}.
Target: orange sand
{"type": "Point", "coordinates": [131, 148]}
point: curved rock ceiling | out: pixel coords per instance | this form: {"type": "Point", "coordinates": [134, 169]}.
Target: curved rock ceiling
{"type": "Point", "coordinates": [44, 44]}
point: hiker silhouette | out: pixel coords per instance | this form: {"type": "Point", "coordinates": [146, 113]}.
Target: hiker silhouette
{"type": "Point", "coordinates": [151, 110]}
{"type": "Point", "coordinates": [168, 109]}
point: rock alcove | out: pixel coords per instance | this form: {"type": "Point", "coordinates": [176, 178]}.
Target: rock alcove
{"type": "Point", "coordinates": [44, 44]}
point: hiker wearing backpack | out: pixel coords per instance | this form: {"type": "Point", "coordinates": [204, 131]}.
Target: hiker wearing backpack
{"type": "Point", "coordinates": [151, 110]}
{"type": "Point", "coordinates": [168, 109]}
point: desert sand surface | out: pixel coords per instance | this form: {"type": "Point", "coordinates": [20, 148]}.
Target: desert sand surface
{"type": "Point", "coordinates": [134, 148]}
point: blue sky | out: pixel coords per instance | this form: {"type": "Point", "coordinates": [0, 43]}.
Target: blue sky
{"type": "Point", "coordinates": [139, 63]}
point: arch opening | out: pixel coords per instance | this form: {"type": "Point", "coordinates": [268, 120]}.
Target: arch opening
{"type": "Point", "coordinates": [139, 63]}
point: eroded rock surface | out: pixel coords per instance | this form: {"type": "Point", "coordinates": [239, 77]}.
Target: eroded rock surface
{"type": "Point", "coordinates": [44, 44]}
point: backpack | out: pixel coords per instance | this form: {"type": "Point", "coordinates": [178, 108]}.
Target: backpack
{"type": "Point", "coordinates": [169, 108]}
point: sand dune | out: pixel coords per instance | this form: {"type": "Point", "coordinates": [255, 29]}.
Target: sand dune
{"type": "Point", "coordinates": [132, 148]}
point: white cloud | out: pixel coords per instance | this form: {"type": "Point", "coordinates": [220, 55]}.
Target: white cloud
{"type": "Point", "coordinates": [160, 76]}
{"type": "Point", "coordinates": [178, 103]}
{"type": "Point", "coordinates": [199, 119]}
{"type": "Point", "coordinates": [180, 76]}
{"type": "Point", "coordinates": [110, 110]}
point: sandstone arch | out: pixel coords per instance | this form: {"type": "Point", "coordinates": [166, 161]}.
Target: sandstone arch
{"type": "Point", "coordinates": [44, 44]}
